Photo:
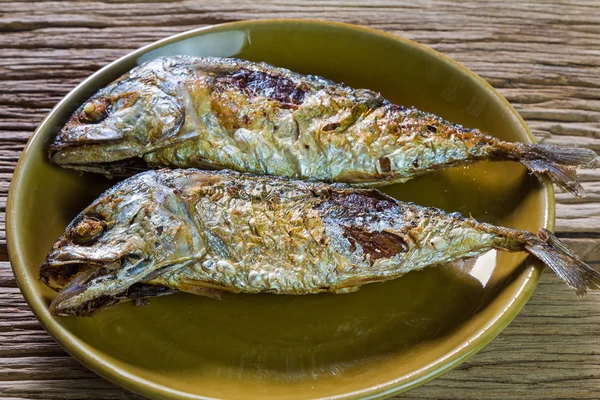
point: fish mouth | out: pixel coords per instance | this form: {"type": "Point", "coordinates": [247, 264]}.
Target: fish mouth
{"type": "Point", "coordinates": [72, 150]}
{"type": "Point", "coordinates": [76, 286]}
{"type": "Point", "coordinates": [58, 274]}
{"type": "Point", "coordinates": [71, 278]}
{"type": "Point", "coordinates": [73, 135]}
{"type": "Point", "coordinates": [122, 168]}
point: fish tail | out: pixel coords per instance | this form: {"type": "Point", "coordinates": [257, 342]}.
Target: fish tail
{"type": "Point", "coordinates": [556, 255]}
{"type": "Point", "coordinates": [558, 163]}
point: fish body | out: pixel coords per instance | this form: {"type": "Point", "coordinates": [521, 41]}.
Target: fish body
{"type": "Point", "coordinates": [218, 113]}
{"type": "Point", "coordinates": [208, 232]}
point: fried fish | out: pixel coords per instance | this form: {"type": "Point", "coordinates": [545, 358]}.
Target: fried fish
{"type": "Point", "coordinates": [221, 113]}
{"type": "Point", "coordinates": [201, 232]}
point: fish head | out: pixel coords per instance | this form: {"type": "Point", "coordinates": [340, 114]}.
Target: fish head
{"type": "Point", "coordinates": [130, 232]}
{"type": "Point", "coordinates": [121, 122]}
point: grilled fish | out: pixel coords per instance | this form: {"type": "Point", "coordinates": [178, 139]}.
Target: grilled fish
{"type": "Point", "coordinates": [218, 113]}
{"type": "Point", "coordinates": [201, 232]}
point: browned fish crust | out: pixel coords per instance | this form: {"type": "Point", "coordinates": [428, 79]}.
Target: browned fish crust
{"type": "Point", "coordinates": [206, 233]}
{"type": "Point", "coordinates": [253, 117]}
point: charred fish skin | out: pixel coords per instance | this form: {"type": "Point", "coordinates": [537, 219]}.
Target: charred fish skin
{"type": "Point", "coordinates": [208, 232]}
{"type": "Point", "coordinates": [218, 113]}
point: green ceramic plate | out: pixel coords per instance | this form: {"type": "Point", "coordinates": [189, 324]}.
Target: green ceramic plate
{"type": "Point", "coordinates": [383, 339]}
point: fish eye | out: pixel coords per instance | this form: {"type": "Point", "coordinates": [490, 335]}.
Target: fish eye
{"type": "Point", "coordinates": [88, 230]}
{"type": "Point", "coordinates": [95, 111]}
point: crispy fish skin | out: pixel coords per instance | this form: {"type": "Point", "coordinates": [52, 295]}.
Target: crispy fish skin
{"type": "Point", "coordinates": [218, 113]}
{"type": "Point", "coordinates": [208, 232]}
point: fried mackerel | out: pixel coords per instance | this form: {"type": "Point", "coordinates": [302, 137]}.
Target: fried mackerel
{"type": "Point", "coordinates": [202, 232]}
{"type": "Point", "coordinates": [222, 113]}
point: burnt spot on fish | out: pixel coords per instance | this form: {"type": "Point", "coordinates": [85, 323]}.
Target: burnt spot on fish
{"type": "Point", "coordinates": [385, 165]}
{"type": "Point", "coordinates": [345, 207]}
{"type": "Point", "coordinates": [362, 200]}
{"type": "Point", "coordinates": [275, 87]}
{"type": "Point", "coordinates": [377, 245]}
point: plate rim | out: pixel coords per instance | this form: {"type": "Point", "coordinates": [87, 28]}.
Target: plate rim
{"type": "Point", "coordinates": [136, 384]}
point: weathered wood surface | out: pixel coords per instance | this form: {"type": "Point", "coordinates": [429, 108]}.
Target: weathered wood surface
{"type": "Point", "coordinates": [543, 56]}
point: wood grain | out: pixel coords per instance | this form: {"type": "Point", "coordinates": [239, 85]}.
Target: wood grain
{"type": "Point", "coordinates": [542, 56]}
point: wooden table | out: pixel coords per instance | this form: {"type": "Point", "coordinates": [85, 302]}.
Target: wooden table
{"type": "Point", "coordinates": [543, 57]}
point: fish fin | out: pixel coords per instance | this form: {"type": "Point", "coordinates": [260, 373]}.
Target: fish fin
{"type": "Point", "coordinates": [559, 162]}
{"type": "Point", "coordinates": [564, 262]}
